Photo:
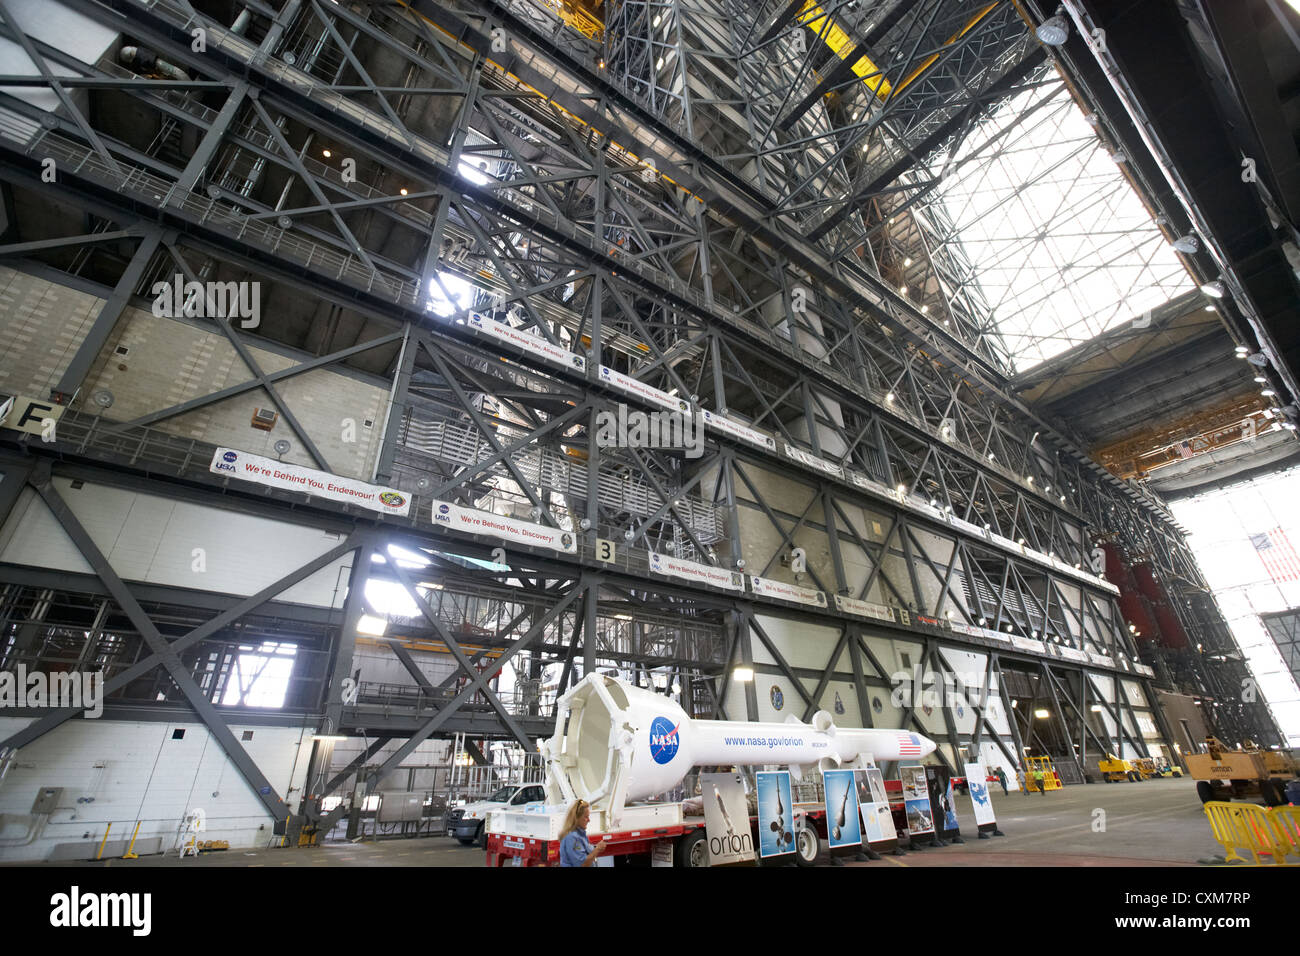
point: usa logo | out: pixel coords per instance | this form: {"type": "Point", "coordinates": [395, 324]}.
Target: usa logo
{"type": "Point", "coordinates": [663, 740]}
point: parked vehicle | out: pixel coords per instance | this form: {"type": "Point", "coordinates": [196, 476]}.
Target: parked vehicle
{"type": "Point", "coordinates": [1223, 774]}
{"type": "Point", "coordinates": [467, 823]}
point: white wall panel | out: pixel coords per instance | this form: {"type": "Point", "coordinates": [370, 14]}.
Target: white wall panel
{"type": "Point", "coordinates": [153, 539]}
{"type": "Point", "coordinates": [127, 771]}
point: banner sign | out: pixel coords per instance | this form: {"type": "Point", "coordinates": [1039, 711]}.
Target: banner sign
{"type": "Point", "coordinates": [694, 571]}
{"type": "Point", "coordinates": [981, 800]}
{"type": "Point", "coordinates": [1027, 644]}
{"type": "Point", "coordinates": [473, 521]}
{"type": "Point", "coordinates": [812, 461]}
{"type": "Point", "coordinates": [278, 474]}
{"type": "Point", "coordinates": [632, 386]}
{"type": "Point", "coordinates": [850, 605]}
{"type": "Point", "coordinates": [726, 818]}
{"type": "Point", "coordinates": [842, 824]}
{"type": "Point", "coordinates": [775, 813]}
{"type": "Point", "coordinates": [766, 587]}
{"type": "Point", "coordinates": [1073, 654]}
{"type": "Point", "coordinates": [528, 342]}
{"type": "Point", "coordinates": [736, 430]}
{"type": "Point", "coordinates": [1100, 659]}
{"type": "Point", "coordinates": [970, 629]}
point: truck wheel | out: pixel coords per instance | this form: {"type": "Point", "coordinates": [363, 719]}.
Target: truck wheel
{"type": "Point", "coordinates": [1205, 791]}
{"type": "Point", "coordinates": [480, 837]}
{"type": "Point", "coordinates": [807, 847]}
{"type": "Point", "coordinates": [692, 851]}
{"type": "Point", "coordinates": [465, 841]}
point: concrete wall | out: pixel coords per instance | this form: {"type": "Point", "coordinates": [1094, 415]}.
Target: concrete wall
{"type": "Point", "coordinates": [119, 772]}
{"type": "Point", "coordinates": [169, 361]}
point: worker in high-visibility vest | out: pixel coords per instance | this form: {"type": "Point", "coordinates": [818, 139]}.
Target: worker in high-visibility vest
{"type": "Point", "coordinates": [1040, 778]}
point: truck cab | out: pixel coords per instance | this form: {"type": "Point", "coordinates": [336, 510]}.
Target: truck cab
{"type": "Point", "coordinates": [466, 823]}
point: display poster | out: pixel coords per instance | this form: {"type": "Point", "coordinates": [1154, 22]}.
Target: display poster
{"type": "Point", "coordinates": [695, 571]}
{"type": "Point", "coordinates": [278, 474]}
{"type": "Point", "coordinates": [638, 388]}
{"type": "Point", "coordinates": [812, 461]}
{"type": "Point", "coordinates": [842, 824]}
{"type": "Point", "coordinates": [726, 819]}
{"type": "Point", "coordinates": [775, 813]}
{"type": "Point", "coordinates": [473, 521]}
{"type": "Point", "coordinates": [766, 587]}
{"type": "Point", "coordinates": [980, 798]}
{"type": "Point", "coordinates": [877, 820]}
{"type": "Point", "coordinates": [736, 430]}
{"type": "Point", "coordinates": [916, 799]}
{"type": "Point", "coordinates": [864, 608]}
{"type": "Point", "coordinates": [528, 342]}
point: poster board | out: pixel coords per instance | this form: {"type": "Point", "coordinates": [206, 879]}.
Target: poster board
{"type": "Point", "coordinates": [726, 819]}
{"type": "Point", "coordinates": [843, 828]}
{"type": "Point", "coordinates": [775, 814]}
{"type": "Point", "coordinates": [877, 819]}
{"type": "Point", "coordinates": [916, 799]}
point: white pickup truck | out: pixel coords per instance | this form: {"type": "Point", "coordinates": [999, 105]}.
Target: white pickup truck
{"type": "Point", "coordinates": [466, 823]}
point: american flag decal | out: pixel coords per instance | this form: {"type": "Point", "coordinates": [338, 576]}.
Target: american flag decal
{"type": "Point", "coordinates": [909, 745]}
{"type": "Point", "coordinates": [1279, 557]}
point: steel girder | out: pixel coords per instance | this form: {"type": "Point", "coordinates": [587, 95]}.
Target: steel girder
{"type": "Point", "coordinates": [595, 257]}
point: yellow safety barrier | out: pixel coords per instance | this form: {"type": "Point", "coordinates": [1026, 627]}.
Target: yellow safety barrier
{"type": "Point", "coordinates": [1286, 819]}
{"type": "Point", "coordinates": [1245, 826]}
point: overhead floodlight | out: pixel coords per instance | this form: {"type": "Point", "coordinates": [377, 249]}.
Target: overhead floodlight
{"type": "Point", "coordinates": [1267, 392]}
{"type": "Point", "coordinates": [1258, 359]}
{"type": "Point", "coordinates": [743, 675]}
{"type": "Point", "coordinates": [1118, 156]}
{"type": "Point", "coordinates": [907, 262]}
{"type": "Point", "coordinates": [1213, 289]}
{"type": "Point", "coordinates": [1188, 244]}
{"type": "Point", "coordinates": [371, 625]}
{"type": "Point", "coordinates": [1054, 31]}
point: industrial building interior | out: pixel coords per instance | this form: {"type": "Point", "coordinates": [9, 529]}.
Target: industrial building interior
{"type": "Point", "coordinates": [986, 314]}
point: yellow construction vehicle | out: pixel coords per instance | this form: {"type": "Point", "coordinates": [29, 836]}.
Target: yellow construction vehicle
{"type": "Point", "coordinates": [1222, 774]}
{"type": "Point", "coordinates": [1114, 769]}
{"type": "Point", "coordinates": [1051, 779]}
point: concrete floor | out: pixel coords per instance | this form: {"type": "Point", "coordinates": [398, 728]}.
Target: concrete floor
{"type": "Point", "coordinates": [1154, 823]}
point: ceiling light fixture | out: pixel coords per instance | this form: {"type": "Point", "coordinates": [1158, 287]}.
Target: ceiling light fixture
{"type": "Point", "coordinates": [1188, 244]}
{"type": "Point", "coordinates": [1054, 31]}
{"type": "Point", "coordinates": [1213, 289]}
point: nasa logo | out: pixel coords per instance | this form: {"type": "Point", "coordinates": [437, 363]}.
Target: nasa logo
{"type": "Point", "coordinates": [663, 740]}
{"type": "Point", "coordinates": [229, 456]}
{"type": "Point", "coordinates": [444, 509]}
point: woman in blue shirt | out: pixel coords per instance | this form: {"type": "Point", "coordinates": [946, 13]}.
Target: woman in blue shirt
{"type": "Point", "coordinates": [575, 848]}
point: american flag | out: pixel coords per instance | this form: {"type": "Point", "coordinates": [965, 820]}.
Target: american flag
{"type": "Point", "coordinates": [1277, 554]}
{"type": "Point", "coordinates": [909, 745]}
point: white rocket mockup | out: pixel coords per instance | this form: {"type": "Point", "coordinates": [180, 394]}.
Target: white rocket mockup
{"type": "Point", "coordinates": [615, 742]}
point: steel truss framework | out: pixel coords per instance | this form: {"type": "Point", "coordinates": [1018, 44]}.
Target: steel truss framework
{"type": "Point", "coordinates": [534, 186]}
